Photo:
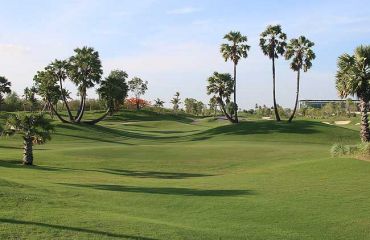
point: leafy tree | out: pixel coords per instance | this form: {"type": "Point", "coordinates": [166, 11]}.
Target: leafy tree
{"type": "Point", "coordinates": [138, 87]}
{"type": "Point", "coordinates": [113, 90]}
{"type": "Point", "coordinates": [300, 51]}
{"type": "Point", "coordinates": [4, 88]}
{"type": "Point", "coordinates": [221, 85]}
{"type": "Point", "coordinates": [47, 87]}
{"type": "Point", "coordinates": [213, 104]}
{"type": "Point", "coordinates": [12, 102]}
{"type": "Point", "coordinates": [234, 51]}
{"type": "Point", "coordinates": [273, 43]}
{"type": "Point", "coordinates": [85, 71]}
{"type": "Point", "coordinates": [158, 103]}
{"type": "Point", "coordinates": [353, 78]}
{"type": "Point", "coordinates": [176, 101]}
{"type": "Point", "coordinates": [34, 129]}
{"type": "Point", "coordinates": [29, 95]}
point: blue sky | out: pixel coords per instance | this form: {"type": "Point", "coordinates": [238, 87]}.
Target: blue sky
{"type": "Point", "coordinates": [174, 44]}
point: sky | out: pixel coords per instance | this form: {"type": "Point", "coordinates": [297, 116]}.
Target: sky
{"type": "Point", "coordinates": [175, 44]}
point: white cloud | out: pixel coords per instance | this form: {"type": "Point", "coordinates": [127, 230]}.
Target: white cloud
{"type": "Point", "coordinates": [10, 49]}
{"type": "Point", "coordinates": [184, 10]}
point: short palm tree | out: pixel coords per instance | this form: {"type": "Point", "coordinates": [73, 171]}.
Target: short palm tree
{"type": "Point", "coordinates": [34, 129]}
{"type": "Point", "coordinates": [221, 85]}
{"type": "Point", "coordinates": [158, 103]}
{"type": "Point", "coordinates": [273, 43]}
{"type": "Point", "coordinates": [300, 51]}
{"type": "Point", "coordinates": [176, 101]}
{"type": "Point", "coordinates": [353, 78]}
{"type": "Point", "coordinates": [4, 88]}
{"type": "Point", "coordinates": [234, 51]}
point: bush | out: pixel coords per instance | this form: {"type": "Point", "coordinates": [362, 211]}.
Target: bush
{"type": "Point", "coordinates": [359, 151]}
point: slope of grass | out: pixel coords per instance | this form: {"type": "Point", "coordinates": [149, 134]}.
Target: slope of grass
{"type": "Point", "coordinates": [150, 176]}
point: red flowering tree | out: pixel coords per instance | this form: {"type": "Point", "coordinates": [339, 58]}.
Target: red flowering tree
{"type": "Point", "coordinates": [132, 103]}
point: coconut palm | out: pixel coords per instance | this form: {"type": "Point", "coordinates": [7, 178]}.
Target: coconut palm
{"type": "Point", "coordinates": [353, 78]}
{"type": "Point", "coordinates": [221, 85]}
{"type": "Point", "coordinates": [234, 51]}
{"type": "Point", "coordinates": [34, 129]}
{"type": "Point", "coordinates": [4, 88]}
{"type": "Point", "coordinates": [273, 43]}
{"type": "Point", "coordinates": [300, 51]}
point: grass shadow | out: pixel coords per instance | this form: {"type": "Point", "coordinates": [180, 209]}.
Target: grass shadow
{"type": "Point", "coordinates": [18, 164]}
{"type": "Point", "coordinates": [75, 229]}
{"type": "Point", "coordinates": [165, 190]}
{"type": "Point", "coordinates": [153, 174]}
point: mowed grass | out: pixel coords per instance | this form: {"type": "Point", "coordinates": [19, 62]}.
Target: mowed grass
{"type": "Point", "coordinates": [150, 176]}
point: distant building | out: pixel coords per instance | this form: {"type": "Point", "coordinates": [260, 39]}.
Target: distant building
{"type": "Point", "coordinates": [321, 103]}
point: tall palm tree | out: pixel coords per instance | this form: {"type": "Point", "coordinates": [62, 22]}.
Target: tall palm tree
{"type": "Point", "coordinates": [4, 88]}
{"type": "Point", "coordinates": [273, 43]}
{"type": "Point", "coordinates": [300, 51]}
{"type": "Point", "coordinates": [85, 71]}
{"type": "Point", "coordinates": [221, 85]}
{"type": "Point", "coordinates": [34, 129]}
{"type": "Point", "coordinates": [353, 78]}
{"type": "Point", "coordinates": [234, 51]}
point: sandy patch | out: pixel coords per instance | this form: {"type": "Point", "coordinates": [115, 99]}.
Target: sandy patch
{"type": "Point", "coordinates": [342, 122]}
{"type": "Point", "coordinates": [328, 123]}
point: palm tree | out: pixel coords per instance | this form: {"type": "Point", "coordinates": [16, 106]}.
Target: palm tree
{"type": "Point", "coordinates": [234, 51]}
{"type": "Point", "coordinates": [34, 129]}
{"type": "Point", "coordinates": [4, 88]}
{"type": "Point", "coordinates": [300, 51]}
{"type": "Point", "coordinates": [85, 71]}
{"type": "Point", "coordinates": [158, 103]}
{"type": "Point", "coordinates": [59, 69]}
{"type": "Point", "coordinates": [221, 85]}
{"type": "Point", "coordinates": [273, 43]}
{"type": "Point", "coordinates": [176, 101]}
{"type": "Point", "coordinates": [353, 78]}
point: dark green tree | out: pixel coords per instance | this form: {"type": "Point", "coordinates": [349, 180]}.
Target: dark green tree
{"type": "Point", "coordinates": [353, 78]}
{"type": "Point", "coordinates": [113, 90]}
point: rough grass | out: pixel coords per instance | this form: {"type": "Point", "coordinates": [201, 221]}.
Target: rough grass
{"type": "Point", "coordinates": [145, 176]}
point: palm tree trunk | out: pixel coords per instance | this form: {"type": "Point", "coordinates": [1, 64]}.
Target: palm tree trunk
{"type": "Point", "coordinates": [57, 114]}
{"type": "Point", "coordinates": [137, 104]}
{"type": "Point", "coordinates": [82, 110]}
{"type": "Point", "coordinates": [236, 110]}
{"type": "Point", "coordinates": [273, 91]}
{"type": "Point", "coordinates": [28, 151]}
{"type": "Point", "coordinates": [95, 121]}
{"type": "Point", "coordinates": [222, 105]}
{"type": "Point", "coordinates": [65, 101]}
{"type": "Point", "coordinates": [365, 133]}
{"type": "Point", "coordinates": [296, 98]}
